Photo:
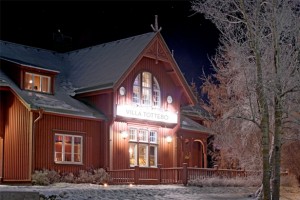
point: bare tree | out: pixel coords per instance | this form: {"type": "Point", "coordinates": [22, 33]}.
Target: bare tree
{"type": "Point", "coordinates": [260, 50]}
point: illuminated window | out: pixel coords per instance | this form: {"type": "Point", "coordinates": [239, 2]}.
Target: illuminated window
{"type": "Point", "coordinates": [37, 82]}
{"type": "Point", "coordinates": [146, 91]}
{"type": "Point", "coordinates": [68, 149]}
{"type": "Point", "coordinates": [142, 147]}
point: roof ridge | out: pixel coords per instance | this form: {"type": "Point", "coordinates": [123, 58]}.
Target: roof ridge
{"type": "Point", "coordinates": [107, 43]}
{"type": "Point", "coordinates": [28, 46]}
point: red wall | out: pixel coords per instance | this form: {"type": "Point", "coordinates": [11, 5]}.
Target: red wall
{"type": "Point", "coordinates": [91, 131]}
{"type": "Point", "coordinates": [17, 140]}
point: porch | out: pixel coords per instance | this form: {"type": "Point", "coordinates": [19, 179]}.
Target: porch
{"type": "Point", "coordinates": [175, 175]}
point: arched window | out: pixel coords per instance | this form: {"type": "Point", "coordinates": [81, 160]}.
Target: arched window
{"type": "Point", "coordinates": [146, 91]}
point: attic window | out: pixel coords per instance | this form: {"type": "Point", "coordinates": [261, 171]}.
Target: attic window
{"type": "Point", "coordinates": [146, 90]}
{"type": "Point", "coordinates": [36, 82]}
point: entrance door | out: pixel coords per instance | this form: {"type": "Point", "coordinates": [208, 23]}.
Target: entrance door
{"type": "Point", "coordinates": [197, 154]}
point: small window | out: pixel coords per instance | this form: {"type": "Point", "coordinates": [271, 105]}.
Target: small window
{"type": "Point", "coordinates": [37, 82]}
{"type": "Point", "coordinates": [68, 149]}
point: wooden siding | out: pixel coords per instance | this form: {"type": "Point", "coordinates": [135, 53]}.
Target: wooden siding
{"type": "Point", "coordinates": [44, 142]}
{"type": "Point", "coordinates": [17, 140]}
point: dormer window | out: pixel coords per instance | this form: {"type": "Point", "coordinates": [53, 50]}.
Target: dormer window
{"type": "Point", "coordinates": [36, 82]}
{"type": "Point", "coordinates": [146, 90]}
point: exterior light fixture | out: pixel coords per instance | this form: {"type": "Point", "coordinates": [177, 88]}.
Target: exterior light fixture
{"type": "Point", "coordinates": [122, 91]}
{"type": "Point", "coordinates": [124, 134]}
{"type": "Point", "coordinates": [169, 99]}
{"type": "Point", "coordinates": [169, 139]}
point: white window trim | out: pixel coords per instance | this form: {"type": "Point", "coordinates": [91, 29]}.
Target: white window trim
{"type": "Point", "coordinates": [40, 84]}
{"type": "Point", "coordinates": [139, 98]}
{"type": "Point", "coordinates": [147, 143]}
{"type": "Point", "coordinates": [72, 152]}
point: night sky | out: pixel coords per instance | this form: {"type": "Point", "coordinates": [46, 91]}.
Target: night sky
{"type": "Point", "coordinates": [192, 38]}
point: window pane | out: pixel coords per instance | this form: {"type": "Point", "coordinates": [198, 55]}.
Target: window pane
{"type": "Point", "coordinates": [143, 136]}
{"type": "Point", "coordinates": [136, 94]}
{"type": "Point", "coordinates": [58, 148]}
{"type": "Point", "coordinates": [28, 81]}
{"type": "Point", "coordinates": [132, 154]}
{"type": "Point", "coordinates": [143, 156]}
{"type": "Point", "coordinates": [153, 138]}
{"type": "Point", "coordinates": [77, 149]}
{"type": "Point", "coordinates": [133, 134]}
{"type": "Point", "coordinates": [152, 156]}
{"type": "Point", "coordinates": [45, 84]}
{"type": "Point", "coordinates": [37, 83]}
{"type": "Point", "coordinates": [146, 80]}
{"type": "Point", "coordinates": [68, 148]}
{"type": "Point", "coordinates": [156, 93]}
{"type": "Point", "coordinates": [146, 96]}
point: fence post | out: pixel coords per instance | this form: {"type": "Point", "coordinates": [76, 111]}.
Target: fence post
{"type": "Point", "coordinates": [159, 172]}
{"type": "Point", "coordinates": [136, 174]}
{"type": "Point", "coordinates": [184, 174]}
{"type": "Point", "coordinates": [216, 168]}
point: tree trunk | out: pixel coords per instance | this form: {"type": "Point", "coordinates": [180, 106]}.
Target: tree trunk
{"type": "Point", "coordinates": [277, 150]}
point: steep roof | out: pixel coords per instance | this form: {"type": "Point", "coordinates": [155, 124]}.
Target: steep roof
{"type": "Point", "coordinates": [103, 65]}
{"type": "Point", "coordinates": [31, 56]}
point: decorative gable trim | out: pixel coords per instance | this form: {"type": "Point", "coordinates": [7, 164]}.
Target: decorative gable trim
{"type": "Point", "coordinates": [156, 51]}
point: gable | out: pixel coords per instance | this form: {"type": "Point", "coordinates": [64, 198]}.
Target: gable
{"type": "Point", "coordinates": [159, 51]}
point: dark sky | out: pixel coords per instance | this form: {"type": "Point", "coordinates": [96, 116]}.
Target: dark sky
{"type": "Point", "coordinates": [88, 23]}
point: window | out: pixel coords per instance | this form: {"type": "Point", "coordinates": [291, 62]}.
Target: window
{"type": "Point", "coordinates": [68, 149]}
{"type": "Point", "coordinates": [146, 90]}
{"type": "Point", "coordinates": [37, 82]}
{"type": "Point", "coordinates": [142, 147]}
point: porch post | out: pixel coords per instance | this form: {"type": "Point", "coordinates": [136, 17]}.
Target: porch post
{"type": "Point", "coordinates": [159, 172]}
{"type": "Point", "coordinates": [136, 174]}
{"type": "Point", "coordinates": [184, 174]}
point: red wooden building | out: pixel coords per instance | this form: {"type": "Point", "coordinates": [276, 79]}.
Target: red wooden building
{"type": "Point", "coordinates": [115, 105]}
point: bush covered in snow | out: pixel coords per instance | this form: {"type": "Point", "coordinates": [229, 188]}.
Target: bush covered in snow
{"type": "Point", "coordinates": [46, 177]}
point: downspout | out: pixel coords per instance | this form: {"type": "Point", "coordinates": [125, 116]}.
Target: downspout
{"type": "Point", "coordinates": [41, 111]}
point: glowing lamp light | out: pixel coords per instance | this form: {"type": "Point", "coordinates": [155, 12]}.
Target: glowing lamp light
{"type": "Point", "coordinates": [124, 134]}
{"type": "Point", "coordinates": [30, 81]}
{"type": "Point", "coordinates": [169, 139]}
{"type": "Point", "coordinates": [105, 184]}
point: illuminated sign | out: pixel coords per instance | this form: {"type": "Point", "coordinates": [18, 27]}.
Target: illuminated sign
{"type": "Point", "coordinates": [146, 113]}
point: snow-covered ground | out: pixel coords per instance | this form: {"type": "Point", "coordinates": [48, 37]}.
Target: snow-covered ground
{"type": "Point", "coordinates": [126, 192]}
{"type": "Point", "coordinates": [147, 192]}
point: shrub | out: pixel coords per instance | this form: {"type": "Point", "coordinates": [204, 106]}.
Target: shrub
{"type": "Point", "coordinates": [100, 176]}
{"type": "Point", "coordinates": [40, 178]}
{"type": "Point", "coordinates": [226, 182]}
{"type": "Point", "coordinates": [46, 177]}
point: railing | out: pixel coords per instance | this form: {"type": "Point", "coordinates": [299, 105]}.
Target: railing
{"type": "Point", "coordinates": [124, 176]}
{"type": "Point", "coordinates": [176, 175]}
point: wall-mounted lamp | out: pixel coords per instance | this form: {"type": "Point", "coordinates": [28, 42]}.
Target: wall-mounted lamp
{"type": "Point", "coordinates": [169, 139]}
{"type": "Point", "coordinates": [122, 91]}
{"type": "Point", "coordinates": [124, 134]}
{"type": "Point", "coordinates": [169, 99]}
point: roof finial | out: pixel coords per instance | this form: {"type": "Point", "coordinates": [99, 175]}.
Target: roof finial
{"type": "Point", "coordinates": [156, 25]}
